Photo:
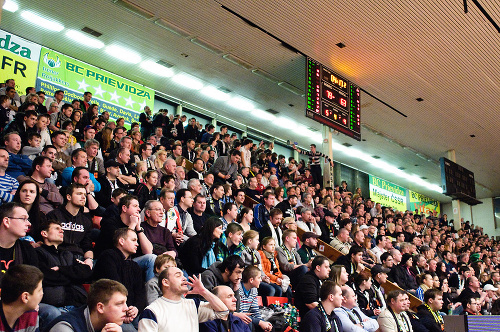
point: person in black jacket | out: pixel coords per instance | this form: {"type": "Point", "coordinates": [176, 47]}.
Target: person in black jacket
{"type": "Point", "coordinates": [147, 191]}
{"type": "Point", "coordinates": [76, 225]}
{"type": "Point", "coordinates": [403, 276]}
{"type": "Point", "coordinates": [116, 264]}
{"type": "Point", "coordinates": [109, 183]}
{"type": "Point", "coordinates": [322, 318]}
{"type": "Point", "coordinates": [307, 294]}
{"type": "Point", "coordinates": [367, 302]}
{"type": "Point", "coordinates": [63, 272]}
{"type": "Point", "coordinates": [23, 124]}
{"type": "Point", "coordinates": [429, 311]}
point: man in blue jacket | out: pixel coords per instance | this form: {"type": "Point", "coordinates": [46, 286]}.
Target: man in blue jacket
{"type": "Point", "coordinates": [18, 163]}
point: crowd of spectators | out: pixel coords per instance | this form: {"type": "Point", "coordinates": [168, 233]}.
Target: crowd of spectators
{"type": "Point", "coordinates": [85, 199]}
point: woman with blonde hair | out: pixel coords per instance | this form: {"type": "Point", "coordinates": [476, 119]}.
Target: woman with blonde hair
{"type": "Point", "coordinates": [160, 158]}
{"type": "Point", "coordinates": [180, 161]}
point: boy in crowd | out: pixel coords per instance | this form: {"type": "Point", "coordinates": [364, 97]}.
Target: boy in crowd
{"type": "Point", "coordinates": [33, 149]}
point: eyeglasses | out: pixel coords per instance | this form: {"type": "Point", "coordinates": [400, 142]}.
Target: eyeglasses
{"type": "Point", "coordinates": [23, 219]}
{"type": "Point", "coordinates": [163, 210]}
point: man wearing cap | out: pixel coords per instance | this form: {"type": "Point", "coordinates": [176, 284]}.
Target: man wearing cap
{"type": "Point", "coordinates": [341, 241]}
{"type": "Point", "coordinates": [109, 183]}
{"type": "Point", "coordinates": [309, 243]}
{"type": "Point", "coordinates": [379, 277]}
{"type": "Point", "coordinates": [491, 297]}
{"type": "Point", "coordinates": [329, 226]}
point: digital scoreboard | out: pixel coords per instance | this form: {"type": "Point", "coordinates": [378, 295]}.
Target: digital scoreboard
{"type": "Point", "coordinates": [458, 182]}
{"type": "Point", "coordinates": [332, 100]}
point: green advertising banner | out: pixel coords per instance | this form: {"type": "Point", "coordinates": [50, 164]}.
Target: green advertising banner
{"type": "Point", "coordinates": [423, 203]}
{"type": "Point", "coordinates": [387, 193]}
{"type": "Point", "coordinates": [120, 97]}
{"type": "Point", "coordinates": [19, 60]}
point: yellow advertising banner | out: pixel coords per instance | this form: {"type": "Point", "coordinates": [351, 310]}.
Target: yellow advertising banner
{"type": "Point", "coordinates": [19, 60]}
{"type": "Point", "coordinates": [387, 193]}
{"type": "Point", "coordinates": [423, 204]}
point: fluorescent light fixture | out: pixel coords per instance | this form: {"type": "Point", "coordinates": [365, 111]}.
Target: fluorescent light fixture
{"type": "Point", "coordinates": [10, 6]}
{"type": "Point", "coordinates": [123, 54]}
{"type": "Point", "coordinates": [241, 103]}
{"type": "Point", "coordinates": [214, 93]}
{"type": "Point", "coordinates": [188, 81]}
{"type": "Point", "coordinates": [263, 115]}
{"type": "Point", "coordinates": [156, 68]}
{"type": "Point", "coordinates": [41, 21]}
{"type": "Point", "coordinates": [286, 123]}
{"type": "Point", "coordinates": [83, 39]}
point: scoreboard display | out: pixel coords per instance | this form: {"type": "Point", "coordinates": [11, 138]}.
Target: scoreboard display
{"type": "Point", "coordinates": [456, 179]}
{"type": "Point", "coordinates": [332, 100]}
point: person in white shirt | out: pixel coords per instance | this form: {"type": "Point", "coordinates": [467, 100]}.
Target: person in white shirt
{"type": "Point", "coordinates": [173, 312]}
{"type": "Point", "coordinates": [380, 248]}
{"type": "Point", "coordinates": [352, 318]}
{"type": "Point", "coordinates": [307, 222]}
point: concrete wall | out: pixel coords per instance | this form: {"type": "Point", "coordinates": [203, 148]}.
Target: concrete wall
{"type": "Point", "coordinates": [482, 215]}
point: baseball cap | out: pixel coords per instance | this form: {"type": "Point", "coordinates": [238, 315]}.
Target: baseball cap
{"type": "Point", "coordinates": [111, 163]}
{"type": "Point", "coordinates": [363, 227]}
{"type": "Point", "coordinates": [488, 287]}
{"type": "Point", "coordinates": [376, 269]}
{"type": "Point", "coordinates": [307, 235]}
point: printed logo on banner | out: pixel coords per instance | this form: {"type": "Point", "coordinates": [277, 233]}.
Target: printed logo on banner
{"type": "Point", "coordinates": [51, 62]}
{"type": "Point", "coordinates": [387, 193]}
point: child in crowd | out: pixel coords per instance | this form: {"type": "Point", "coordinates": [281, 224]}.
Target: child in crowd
{"type": "Point", "coordinates": [34, 149]}
{"type": "Point", "coordinates": [250, 282]}
{"type": "Point", "coordinates": [141, 167]}
{"type": "Point", "coordinates": [153, 290]}
{"type": "Point", "coordinates": [270, 265]}
{"type": "Point", "coordinates": [230, 242]}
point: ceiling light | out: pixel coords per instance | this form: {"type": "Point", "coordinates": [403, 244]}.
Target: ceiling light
{"type": "Point", "coordinates": [286, 123]}
{"type": "Point", "coordinates": [123, 54]}
{"type": "Point", "coordinates": [83, 39]}
{"type": "Point", "coordinates": [241, 103]}
{"type": "Point", "coordinates": [156, 68]}
{"type": "Point", "coordinates": [263, 115]}
{"type": "Point", "coordinates": [10, 6]}
{"type": "Point", "coordinates": [214, 93]}
{"type": "Point", "coordinates": [41, 21]}
{"type": "Point", "coordinates": [188, 81]}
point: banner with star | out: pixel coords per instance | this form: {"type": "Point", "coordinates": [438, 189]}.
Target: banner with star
{"type": "Point", "coordinates": [120, 97]}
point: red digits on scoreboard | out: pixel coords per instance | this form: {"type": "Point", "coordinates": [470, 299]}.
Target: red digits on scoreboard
{"type": "Point", "coordinates": [329, 94]}
{"type": "Point", "coordinates": [343, 102]}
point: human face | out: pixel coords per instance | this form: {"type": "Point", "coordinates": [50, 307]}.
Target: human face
{"type": "Point", "coordinates": [217, 232]}
{"type": "Point", "coordinates": [13, 145]}
{"type": "Point", "coordinates": [83, 178]}
{"type": "Point", "coordinates": [129, 244]}
{"type": "Point", "coordinates": [269, 246]}
{"type": "Point", "coordinates": [50, 153]}
{"type": "Point", "coordinates": [35, 298]}
{"type": "Point", "coordinates": [55, 234]}
{"type": "Point", "coordinates": [437, 303]}
{"type": "Point", "coordinates": [45, 169]}
{"type": "Point", "coordinates": [90, 133]}
{"type": "Point", "coordinates": [292, 240]}
{"type": "Point", "coordinates": [336, 297]}
{"type": "Point", "coordinates": [4, 159]}
{"type": "Point", "coordinates": [168, 201]}
{"type": "Point", "coordinates": [18, 222]}
{"type": "Point", "coordinates": [124, 156]}
{"type": "Point", "coordinates": [253, 243]}
{"type": "Point", "coordinates": [350, 299]}
{"type": "Point", "coordinates": [357, 258]}
{"type": "Point", "coordinates": [119, 134]}
{"type": "Point", "coordinates": [198, 165]}
{"type": "Point", "coordinates": [428, 280]}
{"type": "Point", "coordinates": [156, 212]}
{"type": "Point", "coordinates": [115, 311]}
{"type": "Point", "coordinates": [323, 270]}
{"type": "Point", "coordinates": [188, 199]}
{"type": "Point", "coordinates": [80, 159]}
{"type": "Point", "coordinates": [170, 166]}
{"type": "Point", "coordinates": [200, 205]}
{"type": "Point", "coordinates": [236, 238]}
{"type": "Point", "coordinates": [92, 151]}
{"type": "Point", "coordinates": [42, 123]}
{"type": "Point", "coordinates": [30, 121]}
{"type": "Point", "coordinates": [235, 277]}
{"type": "Point", "coordinates": [399, 304]}
{"type": "Point", "coordinates": [27, 193]}
{"type": "Point", "coordinates": [132, 209]}
{"type": "Point", "coordinates": [240, 197]}
{"type": "Point", "coordinates": [474, 306]}
{"type": "Point", "coordinates": [153, 179]}
{"type": "Point", "coordinates": [226, 295]}
{"type": "Point", "coordinates": [60, 140]}
{"type": "Point", "coordinates": [78, 197]}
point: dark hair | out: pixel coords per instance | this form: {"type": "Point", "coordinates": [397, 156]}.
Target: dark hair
{"type": "Point", "coordinates": [180, 194]}
{"type": "Point", "coordinates": [165, 179]}
{"type": "Point", "coordinates": [206, 233]}
{"type": "Point", "coordinates": [327, 288]}
{"type": "Point", "coordinates": [244, 210]}
{"type": "Point", "coordinates": [379, 238]}
{"type": "Point", "coordinates": [76, 172]}
{"type": "Point", "coordinates": [57, 133]}
{"type": "Point", "coordinates": [317, 261]}
{"type": "Point", "coordinates": [233, 228]}
{"type": "Point", "coordinates": [125, 201]}
{"type": "Point", "coordinates": [102, 290]}
{"type": "Point", "coordinates": [45, 225]}
{"type": "Point", "coordinates": [34, 213]}
{"type": "Point", "coordinates": [33, 134]}
{"type": "Point", "coordinates": [362, 276]}
{"type": "Point", "coordinates": [29, 113]}
{"type": "Point", "coordinates": [274, 212]}
{"type": "Point", "coordinates": [119, 191]}
{"type": "Point", "coordinates": [118, 128]}
{"type": "Point", "coordinates": [38, 161]}
{"type": "Point", "coordinates": [19, 279]}
{"type": "Point", "coordinates": [121, 233]}
{"type": "Point", "coordinates": [431, 294]}
{"type": "Point", "coordinates": [47, 147]}
{"type": "Point", "coordinates": [227, 207]}
{"type": "Point", "coordinates": [394, 294]}
{"type": "Point", "coordinates": [384, 256]}
{"type": "Point", "coordinates": [65, 106]}
{"type": "Point", "coordinates": [354, 250]}
{"type": "Point", "coordinates": [7, 208]}
{"type": "Point", "coordinates": [75, 153]}
{"type": "Point", "coordinates": [235, 153]}
{"type": "Point", "coordinates": [230, 263]}
{"type": "Point", "coordinates": [71, 188]}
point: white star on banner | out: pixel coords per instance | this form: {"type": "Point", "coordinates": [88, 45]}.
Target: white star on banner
{"type": "Point", "coordinates": [129, 101]}
{"type": "Point", "coordinates": [114, 96]}
{"type": "Point", "coordinates": [142, 105]}
{"type": "Point", "coordinates": [99, 91]}
{"type": "Point", "coordinates": [82, 85]}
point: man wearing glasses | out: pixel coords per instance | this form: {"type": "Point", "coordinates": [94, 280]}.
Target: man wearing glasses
{"type": "Point", "coordinates": [14, 225]}
{"type": "Point", "coordinates": [160, 236]}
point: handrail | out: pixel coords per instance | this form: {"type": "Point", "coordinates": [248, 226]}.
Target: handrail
{"type": "Point", "coordinates": [333, 254]}
{"type": "Point", "coordinates": [189, 165]}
